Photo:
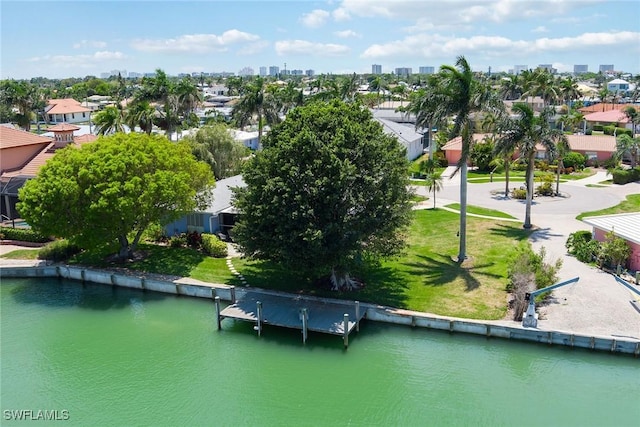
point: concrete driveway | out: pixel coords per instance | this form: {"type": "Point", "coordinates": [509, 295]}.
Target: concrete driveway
{"type": "Point", "coordinates": [596, 304]}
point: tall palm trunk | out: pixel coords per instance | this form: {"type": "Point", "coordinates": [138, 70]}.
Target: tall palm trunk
{"type": "Point", "coordinates": [530, 168]}
{"type": "Point", "coordinates": [507, 163]}
{"type": "Point", "coordinates": [462, 253]}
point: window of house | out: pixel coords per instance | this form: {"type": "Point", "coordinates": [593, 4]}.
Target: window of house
{"type": "Point", "coordinates": [591, 155]}
{"type": "Point", "coordinates": [73, 115]}
{"type": "Point", "coordinates": [84, 115]}
{"type": "Point", "coordinates": [195, 222]}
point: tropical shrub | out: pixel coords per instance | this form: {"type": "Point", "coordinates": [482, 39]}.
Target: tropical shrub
{"type": "Point", "coordinates": [574, 160]}
{"type": "Point", "coordinates": [614, 251]}
{"type": "Point", "coordinates": [581, 245]}
{"type": "Point", "coordinates": [519, 193]}
{"type": "Point", "coordinates": [178, 241]}
{"type": "Point", "coordinates": [546, 186]}
{"type": "Point", "coordinates": [213, 246]}
{"type": "Point", "coordinates": [59, 250]}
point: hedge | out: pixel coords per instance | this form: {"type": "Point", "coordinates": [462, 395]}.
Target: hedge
{"type": "Point", "coordinates": [624, 176]}
{"type": "Point", "coordinates": [23, 235]}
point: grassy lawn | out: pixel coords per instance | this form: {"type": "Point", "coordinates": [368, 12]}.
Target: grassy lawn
{"type": "Point", "coordinates": [424, 278]}
{"type": "Point", "coordinates": [22, 254]}
{"type": "Point", "coordinates": [632, 204]}
{"type": "Point", "coordinates": [477, 210]}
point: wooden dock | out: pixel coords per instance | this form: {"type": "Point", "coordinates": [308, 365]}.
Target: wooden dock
{"type": "Point", "coordinates": [295, 312]}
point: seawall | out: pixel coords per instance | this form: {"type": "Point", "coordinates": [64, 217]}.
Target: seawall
{"type": "Point", "coordinates": [195, 288]}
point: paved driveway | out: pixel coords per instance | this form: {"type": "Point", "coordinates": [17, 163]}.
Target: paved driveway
{"type": "Point", "coordinates": [596, 304]}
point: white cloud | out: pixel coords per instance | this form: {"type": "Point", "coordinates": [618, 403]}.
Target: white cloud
{"type": "Point", "coordinates": [303, 47]}
{"type": "Point", "coordinates": [96, 44]}
{"type": "Point", "coordinates": [315, 19]}
{"type": "Point", "coordinates": [434, 45]}
{"type": "Point", "coordinates": [347, 33]}
{"type": "Point", "coordinates": [78, 61]}
{"type": "Point", "coordinates": [540, 29]}
{"type": "Point", "coordinates": [341, 14]}
{"type": "Point", "coordinates": [458, 12]}
{"type": "Point", "coordinates": [195, 43]}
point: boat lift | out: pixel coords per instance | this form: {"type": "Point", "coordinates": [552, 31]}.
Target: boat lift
{"type": "Point", "coordinates": [530, 319]}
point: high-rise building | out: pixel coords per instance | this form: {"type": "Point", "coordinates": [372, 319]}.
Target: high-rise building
{"type": "Point", "coordinates": [376, 69]}
{"type": "Point", "coordinates": [246, 71]}
{"type": "Point", "coordinates": [403, 71]}
{"type": "Point", "coordinates": [605, 67]}
{"type": "Point", "coordinates": [274, 70]}
{"type": "Point", "coordinates": [517, 69]}
{"type": "Point", "coordinates": [548, 67]}
{"type": "Point", "coordinates": [580, 69]}
{"type": "Point", "coordinates": [263, 71]}
{"type": "Point", "coordinates": [309, 73]}
{"type": "Point", "coordinates": [427, 70]}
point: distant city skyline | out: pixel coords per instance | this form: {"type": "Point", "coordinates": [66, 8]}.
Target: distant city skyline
{"type": "Point", "coordinates": [76, 39]}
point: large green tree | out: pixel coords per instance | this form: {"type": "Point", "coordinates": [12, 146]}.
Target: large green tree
{"type": "Point", "coordinates": [114, 188]}
{"type": "Point", "coordinates": [214, 145]}
{"type": "Point", "coordinates": [328, 189]}
{"type": "Point", "coordinates": [455, 94]}
{"type": "Point", "coordinates": [524, 133]}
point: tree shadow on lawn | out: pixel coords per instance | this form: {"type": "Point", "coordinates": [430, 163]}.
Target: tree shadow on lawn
{"type": "Point", "coordinates": [541, 234]}
{"type": "Point", "coordinates": [441, 270]}
{"type": "Point", "coordinates": [170, 261]}
{"type": "Point", "coordinates": [383, 285]}
{"type": "Point", "coordinates": [510, 232]}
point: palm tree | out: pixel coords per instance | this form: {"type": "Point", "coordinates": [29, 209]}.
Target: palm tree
{"type": "Point", "coordinates": [433, 181]}
{"type": "Point", "coordinates": [189, 96]}
{"type": "Point", "coordinates": [523, 134]}
{"type": "Point", "coordinates": [110, 120]}
{"type": "Point", "coordinates": [632, 114]}
{"type": "Point", "coordinates": [511, 87]}
{"type": "Point", "coordinates": [562, 148]}
{"type": "Point", "coordinates": [141, 114]}
{"type": "Point", "coordinates": [455, 92]}
{"type": "Point", "coordinates": [256, 102]}
{"type": "Point", "coordinates": [628, 145]}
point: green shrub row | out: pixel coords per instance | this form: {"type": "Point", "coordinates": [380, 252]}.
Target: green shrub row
{"type": "Point", "coordinates": [23, 235]}
{"type": "Point", "coordinates": [612, 252]}
{"type": "Point", "coordinates": [610, 130]}
{"type": "Point", "coordinates": [624, 176]}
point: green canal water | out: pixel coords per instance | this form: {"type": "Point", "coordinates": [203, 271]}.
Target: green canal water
{"type": "Point", "coordinates": [102, 356]}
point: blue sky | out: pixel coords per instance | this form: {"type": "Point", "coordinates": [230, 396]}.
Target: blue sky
{"type": "Point", "coordinates": [58, 39]}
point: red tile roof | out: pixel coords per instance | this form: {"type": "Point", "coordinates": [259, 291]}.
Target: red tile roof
{"type": "Point", "coordinates": [455, 144]}
{"type": "Point", "coordinates": [10, 138]}
{"type": "Point", "coordinates": [606, 107]}
{"type": "Point", "coordinates": [611, 116]}
{"type": "Point", "coordinates": [64, 127]}
{"type": "Point", "coordinates": [606, 143]}
{"type": "Point", "coordinates": [65, 106]}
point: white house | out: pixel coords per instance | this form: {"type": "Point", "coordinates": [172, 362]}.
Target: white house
{"type": "Point", "coordinates": [66, 110]}
{"type": "Point", "coordinates": [249, 139]}
{"type": "Point", "coordinates": [619, 86]}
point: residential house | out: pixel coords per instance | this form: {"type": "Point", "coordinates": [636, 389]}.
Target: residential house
{"type": "Point", "coordinates": [218, 218]}
{"type": "Point", "coordinates": [594, 147]}
{"type": "Point", "coordinates": [619, 87]}
{"type": "Point", "coordinates": [607, 118]}
{"type": "Point", "coordinates": [625, 226]}
{"type": "Point", "coordinates": [248, 139]}
{"type": "Point", "coordinates": [401, 125]}
{"type": "Point", "coordinates": [66, 110]}
{"type": "Point", "coordinates": [22, 155]}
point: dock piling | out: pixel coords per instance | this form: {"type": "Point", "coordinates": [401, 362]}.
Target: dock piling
{"type": "Point", "coordinates": [357, 303]}
{"type": "Point", "coordinates": [233, 294]}
{"type": "Point", "coordinates": [259, 313]}
{"type": "Point", "coordinates": [304, 325]}
{"type": "Point", "coordinates": [217, 301]}
{"type": "Point", "coordinates": [346, 330]}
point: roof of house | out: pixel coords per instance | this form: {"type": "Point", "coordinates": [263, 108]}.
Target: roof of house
{"type": "Point", "coordinates": [611, 116]}
{"type": "Point", "coordinates": [222, 194]}
{"type": "Point", "coordinates": [63, 127]}
{"type": "Point", "coordinates": [406, 133]}
{"type": "Point", "coordinates": [606, 143]}
{"type": "Point", "coordinates": [606, 107]}
{"type": "Point", "coordinates": [10, 138]}
{"type": "Point", "coordinates": [455, 144]}
{"type": "Point", "coordinates": [65, 106]}
{"type": "Point", "coordinates": [625, 226]}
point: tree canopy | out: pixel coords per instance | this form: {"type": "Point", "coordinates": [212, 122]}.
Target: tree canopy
{"type": "Point", "coordinates": [328, 189]}
{"type": "Point", "coordinates": [214, 145]}
{"type": "Point", "coordinates": [113, 188]}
